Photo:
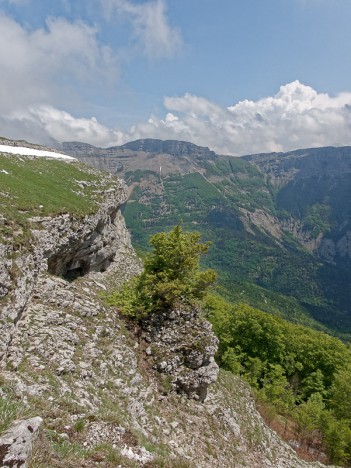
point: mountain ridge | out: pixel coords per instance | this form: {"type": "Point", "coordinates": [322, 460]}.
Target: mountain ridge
{"type": "Point", "coordinates": [289, 209]}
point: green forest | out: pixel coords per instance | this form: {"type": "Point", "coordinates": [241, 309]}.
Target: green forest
{"type": "Point", "coordinates": [262, 262]}
{"type": "Point", "coordinates": [298, 374]}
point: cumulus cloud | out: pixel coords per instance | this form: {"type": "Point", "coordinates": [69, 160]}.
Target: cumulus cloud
{"type": "Point", "coordinates": [49, 125]}
{"type": "Point", "coordinates": [38, 66]}
{"type": "Point", "coordinates": [296, 117]}
{"type": "Point", "coordinates": [151, 28]}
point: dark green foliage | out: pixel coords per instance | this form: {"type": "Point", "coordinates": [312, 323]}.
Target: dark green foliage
{"type": "Point", "coordinates": [171, 271]}
{"type": "Point", "coordinates": [276, 274]}
{"type": "Point", "coordinates": [171, 275]}
{"type": "Point", "coordinates": [304, 374]}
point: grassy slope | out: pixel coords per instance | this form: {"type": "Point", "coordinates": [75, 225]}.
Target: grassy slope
{"type": "Point", "coordinates": [42, 187]}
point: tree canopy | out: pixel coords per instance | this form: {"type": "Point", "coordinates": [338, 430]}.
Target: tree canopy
{"type": "Point", "coordinates": [171, 275]}
{"type": "Point", "coordinates": [305, 374]}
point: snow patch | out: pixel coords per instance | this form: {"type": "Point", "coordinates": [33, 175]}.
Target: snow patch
{"type": "Point", "coordinates": [23, 151]}
{"type": "Point", "coordinates": [3, 171]}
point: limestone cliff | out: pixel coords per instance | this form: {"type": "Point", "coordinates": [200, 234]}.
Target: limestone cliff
{"type": "Point", "coordinates": [63, 246]}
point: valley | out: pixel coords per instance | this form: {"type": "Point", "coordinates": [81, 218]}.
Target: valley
{"type": "Point", "coordinates": [279, 223]}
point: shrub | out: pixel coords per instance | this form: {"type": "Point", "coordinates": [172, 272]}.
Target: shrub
{"type": "Point", "coordinates": [171, 275]}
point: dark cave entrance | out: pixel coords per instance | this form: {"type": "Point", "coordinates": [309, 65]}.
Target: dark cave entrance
{"type": "Point", "coordinates": [73, 272]}
{"type": "Point", "coordinates": [67, 267]}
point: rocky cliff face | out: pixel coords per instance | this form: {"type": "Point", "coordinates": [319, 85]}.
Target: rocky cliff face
{"type": "Point", "coordinates": [303, 164]}
{"type": "Point", "coordinates": [182, 346]}
{"type": "Point", "coordinates": [149, 145]}
{"type": "Point", "coordinates": [110, 393]}
{"type": "Point", "coordinates": [173, 147]}
{"type": "Point", "coordinates": [63, 246]}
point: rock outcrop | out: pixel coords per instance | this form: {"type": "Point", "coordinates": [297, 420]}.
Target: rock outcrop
{"type": "Point", "coordinates": [182, 346]}
{"type": "Point", "coordinates": [16, 444]}
{"type": "Point", "coordinates": [64, 246]}
{"type": "Point", "coordinates": [333, 250]}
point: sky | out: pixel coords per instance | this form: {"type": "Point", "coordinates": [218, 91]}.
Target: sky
{"type": "Point", "coordinates": [238, 76]}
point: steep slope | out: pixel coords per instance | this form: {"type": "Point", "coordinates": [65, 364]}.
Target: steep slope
{"type": "Point", "coordinates": [279, 223]}
{"type": "Point", "coordinates": [314, 187]}
{"type": "Point", "coordinates": [70, 360]}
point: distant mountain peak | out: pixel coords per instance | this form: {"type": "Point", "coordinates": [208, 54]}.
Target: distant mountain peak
{"type": "Point", "coordinates": [173, 147]}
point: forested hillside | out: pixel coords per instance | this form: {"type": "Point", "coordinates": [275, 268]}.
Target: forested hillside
{"type": "Point", "coordinates": [279, 223]}
{"type": "Point", "coordinates": [301, 377]}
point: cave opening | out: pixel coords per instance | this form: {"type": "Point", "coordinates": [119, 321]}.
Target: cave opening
{"type": "Point", "coordinates": [67, 267]}
{"type": "Point", "coordinates": [72, 274]}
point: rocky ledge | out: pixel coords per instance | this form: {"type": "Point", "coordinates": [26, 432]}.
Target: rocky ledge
{"type": "Point", "coordinates": [64, 246]}
{"type": "Point", "coordinates": [182, 346]}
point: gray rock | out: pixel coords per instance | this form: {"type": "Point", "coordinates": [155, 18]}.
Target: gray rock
{"type": "Point", "coordinates": [183, 346]}
{"type": "Point", "coordinates": [67, 247]}
{"type": "Point", "coordinates": [16, 444]}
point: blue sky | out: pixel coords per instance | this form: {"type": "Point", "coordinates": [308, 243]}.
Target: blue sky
{"type": "Point", "coordinates": [239, 76]}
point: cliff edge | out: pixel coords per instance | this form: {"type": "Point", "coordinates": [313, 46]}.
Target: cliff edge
{"type": "Point", "coordinates": [101, 389]}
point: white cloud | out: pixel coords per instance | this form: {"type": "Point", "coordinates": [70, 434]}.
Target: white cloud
{"type": "Point", "coordinates": [47, 125]}
{"type": "Point", "coordinates": [46, 64]}
{"type": "Point", "coordinates": [296, 117]}
{"type": "Point", "coordinates": [151, 29]}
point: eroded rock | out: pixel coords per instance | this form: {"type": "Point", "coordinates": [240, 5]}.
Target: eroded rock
{"type": "Point", "coordinates": [16, 444]}
{"type": "Point", "coordinates": [63, 246]}
{"type": "Point", "coordinates": [182, 346]}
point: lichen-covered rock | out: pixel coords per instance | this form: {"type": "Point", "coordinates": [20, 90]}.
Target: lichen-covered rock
{"type": "Point", "coordinates": [16, 444]}
{"type": "Point", "coordinates": [182, 345]}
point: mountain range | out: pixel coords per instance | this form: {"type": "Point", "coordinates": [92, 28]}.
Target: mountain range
{"type": "Point", "coordinates": [279, 223]}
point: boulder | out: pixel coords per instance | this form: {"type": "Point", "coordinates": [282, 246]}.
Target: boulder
{"type": "Point", "coordinates": [16, 443]}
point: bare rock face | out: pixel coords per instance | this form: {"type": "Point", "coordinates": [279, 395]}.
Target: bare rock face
{"type": "Point", "coordinates": [64, 246]}
{"type": "Point", "coordinates": [330, 249]}
{"type": "Point", "coordinates": [16, 444]}
{"type": "Point", "coordinates": [182, 346]}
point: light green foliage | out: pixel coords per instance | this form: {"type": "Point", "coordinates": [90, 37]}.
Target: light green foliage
{"type": "Point", "coordinates": [309, 358]}
{"type": "Point", "coordinates": [9, 410]}
{"type": "Point", "coordinates": [171, 275]}
{"type": "Point", "coordinates": [127, 299]}
{"type": "Point", "coordinates": [10, 407]}
{"type": "Point", "coordinates": [337, 437]}
{"type": "Point", "coordinates": [340, 393]}
{"type": "Point", "coordinates": [304, 374]}
{"type": "Point", "coordinates": [41, 187]}
{"type": "Point", "coordinates": [308, 414]}
{"type": "Point", "coordinates": [276, 388]}
{"type": "Point", "coordinates": [79, 425]}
